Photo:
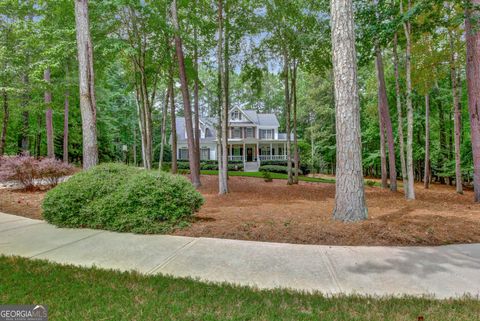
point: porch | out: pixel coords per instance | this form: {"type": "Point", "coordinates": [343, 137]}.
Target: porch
{"type": "Point", "coordinates": [257, 152]}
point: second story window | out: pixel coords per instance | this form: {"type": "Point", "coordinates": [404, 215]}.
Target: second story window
{"type": "Point", "coordinates": [208, 132]}
{"type": "Point", "coordinates": [266, 133]}
{"type": "Point", "coordinates": [236, 132]}
{"type": "Point", "coordinates": [249, 132]}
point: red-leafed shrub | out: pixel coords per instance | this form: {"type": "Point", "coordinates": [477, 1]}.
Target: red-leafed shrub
{"type": "Point", "coordinates": [30, 172]}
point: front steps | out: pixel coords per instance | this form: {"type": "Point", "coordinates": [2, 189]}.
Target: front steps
{"type": "Point", "coordinates": [251, 166]}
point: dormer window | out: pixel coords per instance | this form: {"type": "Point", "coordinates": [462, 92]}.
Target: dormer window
{"type": "Point", "coordinates": [236, 115]}
{"type": "Point", "coordinates": [208, 132]}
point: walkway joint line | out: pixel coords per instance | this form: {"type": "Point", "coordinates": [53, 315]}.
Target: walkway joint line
{"type": "Point", "coordinates": [331, 271]}
{"type": "Point", "coordinates": [66, 244]}
{"type": "Point", "coordinates": [22, 226]}
{"type": "Point", "coordinates": [172, 256]}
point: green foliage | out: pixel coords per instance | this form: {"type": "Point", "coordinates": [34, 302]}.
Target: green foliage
{"type": "Point", "coordinates": [277, 169]}
{"type": "Point", "coordinates": [122, 198]}
{"type": "Point", "coordinates": [267, 176]}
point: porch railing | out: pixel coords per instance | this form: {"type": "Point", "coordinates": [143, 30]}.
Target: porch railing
{"type": "Point", "coordinates": [235, 158]}
{"type": "Point", "coordinates": [272, 157]}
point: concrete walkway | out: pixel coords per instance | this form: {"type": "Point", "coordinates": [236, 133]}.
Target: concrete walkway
{"type": "Point", "coordinates": [446, 271]}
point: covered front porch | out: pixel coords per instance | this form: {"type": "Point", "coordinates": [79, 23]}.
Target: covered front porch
{"type": "Point", "coordinates": [257, 152]}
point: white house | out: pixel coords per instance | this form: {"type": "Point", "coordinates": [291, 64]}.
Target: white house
{"type": "Point", "coordinates": [253, 138]}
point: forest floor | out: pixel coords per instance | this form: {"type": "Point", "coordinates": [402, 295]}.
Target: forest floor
{"type": "Point", "coordinates": [274, 212]}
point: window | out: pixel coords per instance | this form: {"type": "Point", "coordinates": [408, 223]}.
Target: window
{"type": "Point", "coordinates": [236, 115]}
{"type": "Point", "coordinates": [249, 132]}
{"type": "Point", "coordinates": [236, 132]}
{"type": "Point", "coordinates": [208, 132]}
{"type": "Point", "coordinates": [183, 153]}
{"type": "Point", "coordinates": [266, 133]}
{"type": "Point", "coordinates": [205, 153]}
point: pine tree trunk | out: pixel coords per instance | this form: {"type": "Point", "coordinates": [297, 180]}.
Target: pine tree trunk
{"type": "Point", "coordinates": [88, 105]}
{"type": "Point", "coordinates": [385, 115]}
{"type": "Point", "coordinates": [223, 109]}
{"type": "Point", "coordinates": [24, 144]}
{"type": "Point", "coordinates": [349, 196]}
{"type": "Point", "coordinates": [66, 106]}
{"type": "Point", "coordinates": [295, 138]}
{"type": "Point", "coordinates": [383, 154]}
{"type": "Point", "coordinates": [163, 139]}
{"type": "Point", "coordinates": [6, 113]}
{"type": "Point", "coordinates": [427, 175]}
{"type": "Point", "coordinates": [195, 103]}
{"type": "Point", "coordinates": [473, 87]}
{"type": "Point", "coordinates": [286, 64]}
{"type": "Point", "coordinates": [49, 115]}
{"type": "Point", "coordinates": [226, 88]}
{"type": "Point", "coordinates": [399, 114]}
{"type": "Point", "coordinates": [457, 120]}
{"type": "Point", "coordinates": [410, 174]}
{"type": "Point", "coordinates": [173, 123]}
{"type": "Point", "coordinates": [186, 100]}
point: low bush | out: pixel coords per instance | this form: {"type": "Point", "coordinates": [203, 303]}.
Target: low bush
{"type": "Point", "coordinates": [277, 169]}
{"type": "Point", "coordinates": [28, 170]}
{"type": "Point", "coordinates": [205, 165]}
{"type": "Point", "coordinates": [267, 176]}
{"type": "Point", "coordinates": [122, 198]}
{"type": "Point", "coordinates": [303, 167]}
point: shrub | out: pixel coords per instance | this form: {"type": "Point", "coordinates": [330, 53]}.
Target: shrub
{"type": "Point", "coordinates": [301, 166]}
{"type": "Point", "coordinates": [267, 176]}
{"type": "Point", "coordinates": [122, 198]}
{"type": "Point", "coordinates": [370, 183]}
{"type": "Point", "coordinates": [208, 165]}
{"type": "Point", "coordinates": [277, 169]}
{"type": "Point", "coordinates": [27, 170]}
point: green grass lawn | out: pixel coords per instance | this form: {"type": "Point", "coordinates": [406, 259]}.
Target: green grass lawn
{"type": "Point", "coordinates": [74, 293]}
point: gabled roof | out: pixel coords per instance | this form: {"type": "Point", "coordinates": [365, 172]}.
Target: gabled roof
{"type": "Point", "coordinates": [267, 120]}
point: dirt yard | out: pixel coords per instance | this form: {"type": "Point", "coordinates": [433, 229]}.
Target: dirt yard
{"type": "Point", "coordinates": [275, 212]}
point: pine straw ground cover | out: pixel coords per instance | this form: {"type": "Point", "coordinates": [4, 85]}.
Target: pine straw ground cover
{"type": "Point", "coordinates": [257, 210]}
{"type": "Point", "coordinates": [74, 293]}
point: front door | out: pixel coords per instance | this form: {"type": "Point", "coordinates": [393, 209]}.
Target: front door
{"type": "Point", "coordinates": [249, 154]}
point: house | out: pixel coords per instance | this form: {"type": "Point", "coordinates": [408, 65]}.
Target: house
{"type": "Point", "coordinates": [252, 138]}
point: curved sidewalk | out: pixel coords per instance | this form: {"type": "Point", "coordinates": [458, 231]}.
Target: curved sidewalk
{"type": "Point", "coordinates": [445, 271]}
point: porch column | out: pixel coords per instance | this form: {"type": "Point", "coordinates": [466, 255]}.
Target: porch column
{"type": "Point", "coordinates": [258, 153]}
{"type": "Point", "coordinates": [231, 154]}
{"type": "Point", "coordinates": [285, 150]}
{"type": "Point", "coordinates": [244, 152]}
{"type": "Point", "coordinates": [271, 151]}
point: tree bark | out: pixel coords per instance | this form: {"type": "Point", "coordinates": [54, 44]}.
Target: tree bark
{"type": "Point", "coordinates": [295, 139]}
{"type": "Point", "coordinates": [66, 106]}
{"type": "Point", "coordinates": [385, 115]}
{"type": "Point", "coordinates": [410, 195]}
{"type": "Point", "coordinates": [173, 123]}
{"type": "Point", "coordinates": [399, 114]}
{"type": "Point", "coordinates": [88, 105]}
{"type": "Point", "coordinates": [195, 103]}
{"type": "Point", "coordinates": [226, 87]}
{"type": "Point", "coordinates": [427, 174]}
{"type": "Point", "coordinates": [195, 177]}
{"type": "Point", "coordinates": [49, 115]}
{"type": "Point", "coordinates": [6, 115]}
{"type": "Point", "coordinates": [286, 64]}
{"type": "Point", "coordinates": [457, 116]}
{"type": "Point", "coordinates": [223, 109]}
{"type": "Point", "coordinates": [163, 139]}
{"type": "Point", "coordinates": [349, 195]}
{"type": "Point", "coordinates": [473, 87]}
{"type": "Point", "coordinates": [383, 154]}
{"type": "Point", "coordinates": [24, 144]}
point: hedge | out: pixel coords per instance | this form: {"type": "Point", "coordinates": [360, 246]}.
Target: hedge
{"type": "Point", "coordinates": [122, 198]}
{"type": "Point", "coordinates": [277, 169]}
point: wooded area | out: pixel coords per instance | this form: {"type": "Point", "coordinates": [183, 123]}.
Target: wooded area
{"type": "Point", "coordinates": [332, 73]}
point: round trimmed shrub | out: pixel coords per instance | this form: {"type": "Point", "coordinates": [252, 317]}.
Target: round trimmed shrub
{"type": "Point", "coordinates": [122, 198]}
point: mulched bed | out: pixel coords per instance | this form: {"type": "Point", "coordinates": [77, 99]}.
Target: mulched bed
{"type": "Point", "coordinates": [275, 212]}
